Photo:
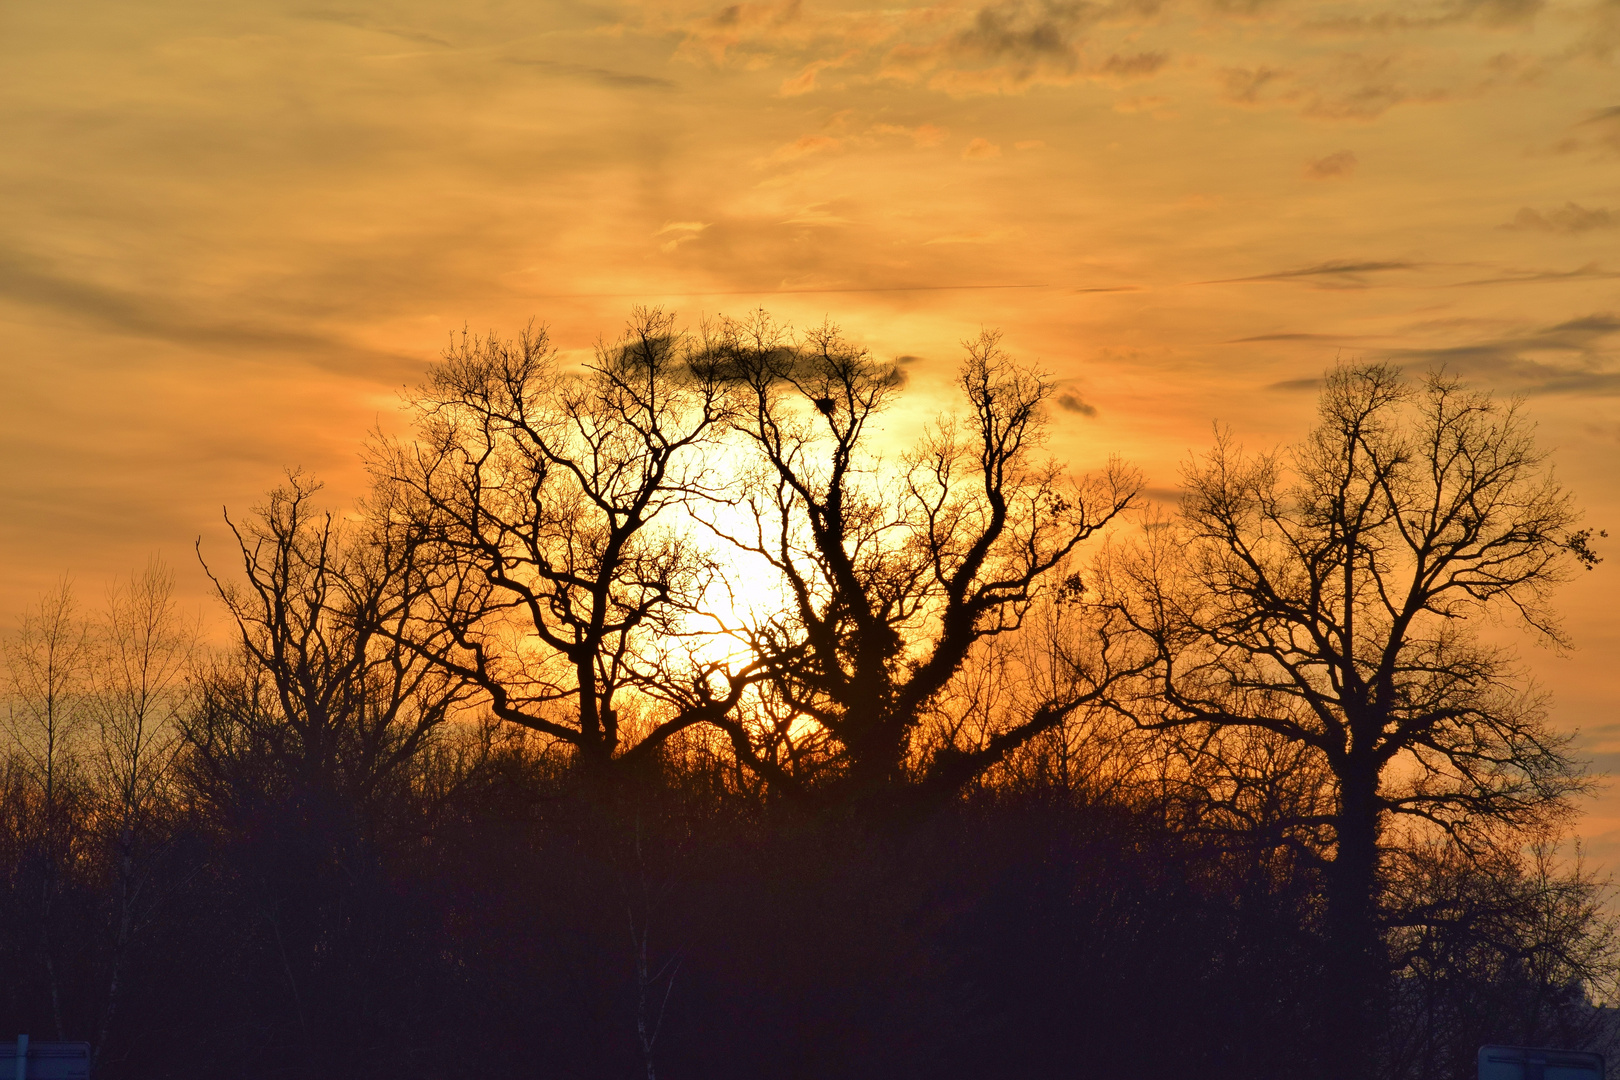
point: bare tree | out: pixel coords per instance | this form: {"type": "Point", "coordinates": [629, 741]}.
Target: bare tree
{"type": "Point", "coordinates": [1064, 649]}
{"type": "Point", "coordinates": [892, 575]}
{"type": "Point", "coordinates": [306, 734]}
{"type": "Point", "coordinates": [550, 505]}
{"type": "Point", "coordinates": [1519, 947]}
{"type": "Point", "coordinates": [46, 662]}
{"type": "Point", "coordinates": [142, 652]}
{"type": "Point", "coordinates": [1323, 595]}
{"type": "Point", "coordinates": [46, 668]}
{"type": "Point", "coordinates": [325, 689]}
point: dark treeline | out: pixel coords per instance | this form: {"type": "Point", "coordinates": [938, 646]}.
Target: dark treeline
{"type": "Point", "coordinates": [646, 720]}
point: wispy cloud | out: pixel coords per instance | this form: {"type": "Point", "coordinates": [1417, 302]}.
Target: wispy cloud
{"type": "Point", "coordinates": [1329, 275]}
{"type": "Point", "coordinates": [1072, 402]}
{"type": "Point", "coordinates": [1299, 337]}
{"type": "Point", "coordinates": [1569, 218]}
{"type": "Point", "coordinates": [978, 236]}
{"type": "Point", "coordinates": [1495, 14]}
{"type": "Point", "coordinates": [805, 146]}
{"type": "Point", "coordinates": [1591, 271]}
{"type": "Point", "coordinates": [1597, 132]}
{"type": "Point", "coordinates": [808, 77]}
{"type": "Point", "coordinates": [627, 80]}
{"type": "Point", "coordinates": [680, 232]}
{"type": "Point", "coordinates": [1011, 45]}
{"type": "Point", "coordinates": [922, 136]}
{"type": "Point", "coordinates": [1350, 85]}
{"type": "Point", "coordinates": [1577, 356]}
{"type": "Point", "coordinates": [359, 20]}
{"type": "Point", "coordinates": [1332, 167]}
{"type": "Point", "coordinates": [1365, 87]}
{"type": "Point", "coordinates": [33, 282]}
{"type": "Point", "coordinates": [1248, 85]}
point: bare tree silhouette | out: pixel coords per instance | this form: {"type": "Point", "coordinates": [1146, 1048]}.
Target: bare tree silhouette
{"type": "Point", "coordinates": [142, 657]}
{"type": "Point", "coordinates": [893, 574]}
{"type": "Point", "coordinates": [1322, 595]}
{"type": "Point", "coordinates": [47, 673]}
{"type": "Point", "coordinates": [323, 688]}
{"type": "Point", "coordinates": [546, 502]}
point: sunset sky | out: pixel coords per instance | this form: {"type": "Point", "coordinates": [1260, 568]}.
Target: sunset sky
{"type": "Point", "coordinates": [231, 231]}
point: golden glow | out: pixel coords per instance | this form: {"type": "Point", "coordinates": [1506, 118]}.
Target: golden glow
{"type": "Point", "coordinates": [235, 228]}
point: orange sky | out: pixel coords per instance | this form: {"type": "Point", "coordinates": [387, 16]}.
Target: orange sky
{"type": "Point", "coordinates": [229, 231]}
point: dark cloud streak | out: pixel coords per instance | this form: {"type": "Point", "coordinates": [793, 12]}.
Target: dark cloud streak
{"type": "Point", "coordinates": [29, 281]}
{"type": "Point", "coordinates": [359, 21]}
{"type": "Point", "coordinates": [1577, 356]}
{"type": "Point", "coordinates": [1070, 402]}
{"type": "Point", "coordinates": [1299, 337]}
{"type": "Point", "coordinates": [1589, 272]}
{"type": "Point", "coordinates": [1522, 362]}
{"type": "Point", "coordinates": [604, 76]}
{"type": "Point", "coordinates": [1338, 275]}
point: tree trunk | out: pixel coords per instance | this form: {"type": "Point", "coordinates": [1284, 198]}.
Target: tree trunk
{"type": "Point", "coordinates": [876, 766]}
{"type": "Point", "coordinates": [1356, 964]}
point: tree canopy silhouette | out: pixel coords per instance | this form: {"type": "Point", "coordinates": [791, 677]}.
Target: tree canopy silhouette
{"type": "Point", "coordinates": [893, 572]}
{"type": "Point", "coordinates": [1327, 595]}
{"type": "Point", "coordinates": [542, 502]}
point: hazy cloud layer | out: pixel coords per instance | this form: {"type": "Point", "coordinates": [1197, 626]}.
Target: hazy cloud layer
{"type": "Point", "coordinates": [1375, 60]}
